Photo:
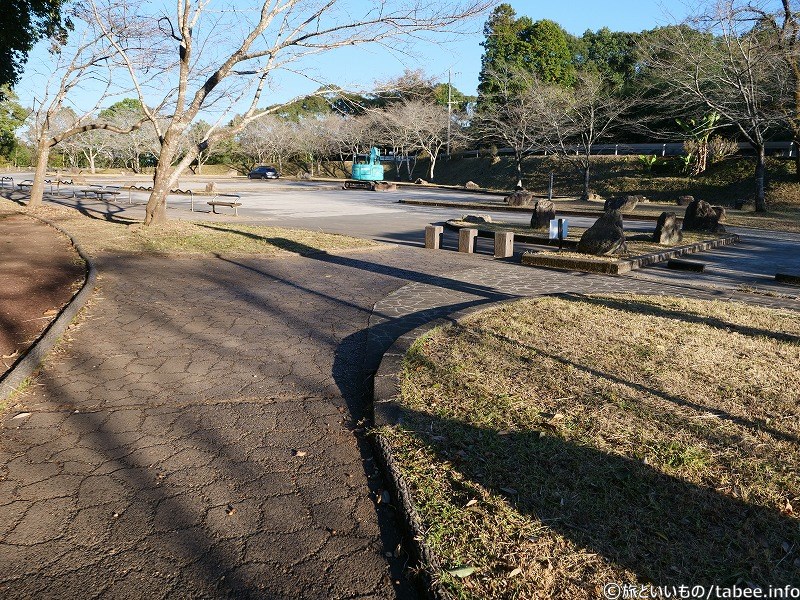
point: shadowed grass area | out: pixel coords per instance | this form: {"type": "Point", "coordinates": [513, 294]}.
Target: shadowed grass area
{"type": "Point", "coordinates": [122, 235]}
{"type": "Point", "coordinates": [560, 443]}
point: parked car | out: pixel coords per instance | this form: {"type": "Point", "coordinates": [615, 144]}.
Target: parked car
{"type": "Point", "coordinates": [263, 172]}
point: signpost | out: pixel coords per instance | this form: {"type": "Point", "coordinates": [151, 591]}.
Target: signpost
{"type": "Point", "coordinates": [558, 231]}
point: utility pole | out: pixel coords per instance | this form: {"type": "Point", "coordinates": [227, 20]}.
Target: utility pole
{"type": "Point", "coordinates": [449, 110]}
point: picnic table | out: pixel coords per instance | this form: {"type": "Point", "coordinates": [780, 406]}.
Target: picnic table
{"type": "Point", "coordinates": [99, 192]}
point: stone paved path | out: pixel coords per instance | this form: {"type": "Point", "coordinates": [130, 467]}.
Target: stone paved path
{"type": "Point", "coordinates": [197, 436]}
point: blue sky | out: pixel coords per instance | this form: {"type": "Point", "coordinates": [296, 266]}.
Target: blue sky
{"type": "Point", "coordinates": [463, 57]}
{"type": "Point", "coordinates": [359, 67]}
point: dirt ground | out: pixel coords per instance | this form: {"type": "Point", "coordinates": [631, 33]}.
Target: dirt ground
{"type": "Point", "coordinates": [39, 271]}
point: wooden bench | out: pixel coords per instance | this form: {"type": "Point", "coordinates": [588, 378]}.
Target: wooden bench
{"type": "Point", "coordinates": [234, 205]}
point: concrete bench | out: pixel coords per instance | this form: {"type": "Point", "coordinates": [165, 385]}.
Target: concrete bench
{"type": "Point", "coordinates": [215, 203]}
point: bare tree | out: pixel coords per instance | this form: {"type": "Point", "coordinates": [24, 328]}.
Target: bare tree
{"type": "Point", "coordinates": [517, 117]}
{"type": "Point", "coordinates": [784, 25]}
{"type": "Point", "coordinates": [226, 55]}
{"type": "Point", "coordinates": [392, 132]}
{"type": "Point", "coordinates": [85, 59]}
{"type": "Point", "coordinates": [426, 125]}
{"type": "Point", "coordinates": [129, 149]}
{"type": "Point", "coordinates": [93, 145]}
{"type": "Point", "coordinates": [726, 64]}
{"type": "Point", "coordinates": [579, 117]}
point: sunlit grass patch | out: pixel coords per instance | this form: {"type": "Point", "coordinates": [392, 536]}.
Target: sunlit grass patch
{"type": "Point", "coordinates": [185, 237]}
{"type": "Point", "coordinates": [561, 443]}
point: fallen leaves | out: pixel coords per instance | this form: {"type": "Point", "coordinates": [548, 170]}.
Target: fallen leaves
{"type": "Point", "coordinates": [461, 572]}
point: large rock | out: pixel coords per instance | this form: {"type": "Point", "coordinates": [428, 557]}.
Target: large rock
{"type": "Point", "coordinates": [606, 236]}
{"type": "Point", "coordinates": [471, 185]}
{"type": "Point", "coordinates": [701, 216]}
{"type": "Point", "coordinates": [684, 200]}
{"type": "Point", "coordinates": [477, 218]}
{"type": "Point", "coordinates": [384, 186]}
{"type": "Point", "coordinates": [520, 198]}
{"type": "Point", "coordinates": [622, 204]}
{"type": "Point", "coordinates": [668, 231]}
{"type": "Point", "coordinates": [543, 212]}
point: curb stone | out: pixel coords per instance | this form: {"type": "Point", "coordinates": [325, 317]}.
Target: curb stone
{"type": "Point", "coordinates": [33, 357]}
{"type": "Point", "coordinates": [387, 412]}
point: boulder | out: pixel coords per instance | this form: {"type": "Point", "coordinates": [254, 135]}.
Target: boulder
{"type": "Point", "coordinates": [543, 212]}
{"type": "Point", "coordinates": [211, 187]}
{"type": "Point", "coordinates": [420, 181]}
{"type": "Point", "coordinates": [701, 216]}
{"type": "Point", "coordinates": [668, 231]}
{"type": "Point", "coordinates": [721, 214]}
{"type": "Point", "coordinates": [606, 236]}
{"type": "Point", "coordinates": [684, 200]}
{"type": "Point", "coordinates": [622, 204]}
{"type": "Point", "coordinates": [477, 218]}
{"type": "Point", "coordinates": [384, 186]}
{"type": "Point", "coordinates": [471, 185]}
{"type": "Point", "coordinates": [595, 197]}
{"type": "Point", "coordinates": [304, 175]}
{"type": "Point", "coordinates": [520, 198]}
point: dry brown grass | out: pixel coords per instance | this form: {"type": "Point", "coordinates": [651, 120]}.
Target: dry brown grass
{"type": "Point", "coordinates": [561, 443]}
{"type": "Point", "coordinates": [97, 235]}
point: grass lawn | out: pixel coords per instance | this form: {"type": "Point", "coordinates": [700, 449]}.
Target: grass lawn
{"type": "Point", "coordinates": [185, 238]}
{"type": "Point", "coordinates": [556, 444]}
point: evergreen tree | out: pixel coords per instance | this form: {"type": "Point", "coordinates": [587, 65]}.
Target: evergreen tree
{"type": "Point", "coordinates": [25, 22]}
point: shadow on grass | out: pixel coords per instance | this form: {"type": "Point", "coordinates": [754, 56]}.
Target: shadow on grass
{"type": "Point", "coordinates": [688, 317]}
{"type": "Point", "coordinates": [278, 242]}
{"type": "Point", "coordinates": [666, 530]}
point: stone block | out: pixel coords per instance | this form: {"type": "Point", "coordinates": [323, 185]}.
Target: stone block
{"type": "Point", "coordinates": [433, 236]}
{"type": "Point", "coordinates": [504, 244]}
{"type": "Point", "coordinates": [466, 240]}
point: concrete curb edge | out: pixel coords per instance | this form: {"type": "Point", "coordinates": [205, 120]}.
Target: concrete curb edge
{"type": "Point", "coordinates": [387, 412]}
{"type": "Point", "coordinates": [34, 356]}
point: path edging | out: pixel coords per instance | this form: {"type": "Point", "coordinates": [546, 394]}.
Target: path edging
{"type": "Point", "coordinates": [25, 366]}
{"type": "Point", "coordinates": [387, 412]}
{"type": "Point", "coordinates": [623, 265]}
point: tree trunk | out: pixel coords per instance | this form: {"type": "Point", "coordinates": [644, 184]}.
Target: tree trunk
{"type": "Point", "coordinates": [518, 161]}
{"type": "Point", "coordinates": [796, 145]}
{"type": "Point", "coordinates": [37, 189]}
{"type": "Point", "coordinates": [586, 177]}
{"type": "Point", "coordinates": [433, 166]}
{"type": "Point", "coordinates": [91, 162]}
{"type": "Point", "coordinates": [761, 170]}
{"type": "Point", "coordinates": [156, 210]}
